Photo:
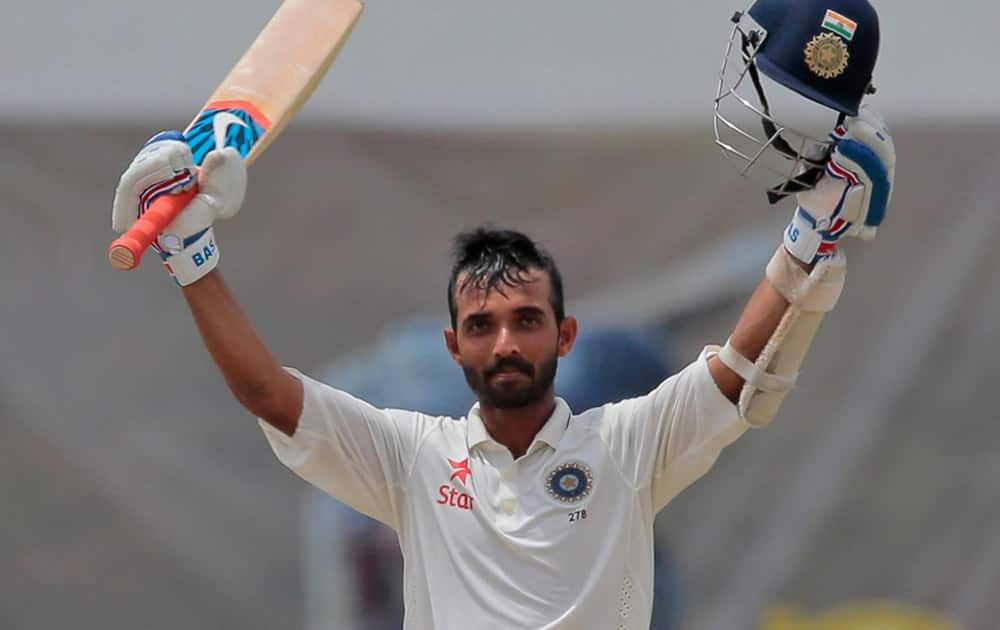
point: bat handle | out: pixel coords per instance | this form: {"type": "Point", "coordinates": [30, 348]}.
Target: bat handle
{"type": "Point", "coordinates": [126, 251]}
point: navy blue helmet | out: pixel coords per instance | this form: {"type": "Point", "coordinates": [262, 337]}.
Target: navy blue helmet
{"type": "Point", "coordinates": [824, 50]}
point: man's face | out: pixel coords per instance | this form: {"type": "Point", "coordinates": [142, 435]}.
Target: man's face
{"type": "Point", "coordinates": [509, 345]}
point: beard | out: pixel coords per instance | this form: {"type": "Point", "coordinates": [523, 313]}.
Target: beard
{"type": "Point", "coordinates": [513, 394]}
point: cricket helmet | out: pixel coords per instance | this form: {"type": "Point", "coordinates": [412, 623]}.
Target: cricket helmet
{"type": "Point", "coordinates": [823, 50]}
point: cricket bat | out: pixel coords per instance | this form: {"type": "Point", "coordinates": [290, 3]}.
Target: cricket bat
{"type": "Point", "coordinates": [254, 103]}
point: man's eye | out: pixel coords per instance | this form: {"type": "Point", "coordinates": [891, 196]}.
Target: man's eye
{"type": "Point", "coordinates": [478, 326]}
{"type": "Point", "coordinates": [531, 320]}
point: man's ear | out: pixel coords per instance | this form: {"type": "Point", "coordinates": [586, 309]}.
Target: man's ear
{"type": "Point", "coordinates": [451, 343]}
{"type": "Point", "coordinates": [568, 330]}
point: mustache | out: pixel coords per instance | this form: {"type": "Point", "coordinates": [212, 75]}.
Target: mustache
{"type": "Point", "coordinates": [509, 363]}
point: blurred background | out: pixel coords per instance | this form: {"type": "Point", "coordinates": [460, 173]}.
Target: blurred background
{"type": "Point", "coordinates": [138, 494]}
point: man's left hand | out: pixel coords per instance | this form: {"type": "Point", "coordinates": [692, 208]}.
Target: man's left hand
{"type": "Point", "coordinates": [852, 196]}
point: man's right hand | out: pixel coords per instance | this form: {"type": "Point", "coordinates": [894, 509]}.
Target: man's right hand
{"type": "Point", "coordinates": [164, 166]}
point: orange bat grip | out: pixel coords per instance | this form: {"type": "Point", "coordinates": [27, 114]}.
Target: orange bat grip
{"type": "Point", "coordinates": [127, 250]}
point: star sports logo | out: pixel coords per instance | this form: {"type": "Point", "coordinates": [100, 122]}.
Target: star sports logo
{"type": "Point", "coordinates": [462, 470]}
{"type": "Point", "coordinates": [450, 496]}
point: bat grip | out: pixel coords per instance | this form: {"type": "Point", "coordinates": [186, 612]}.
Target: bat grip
{"type": "Point", "coordinates": [126, 251]}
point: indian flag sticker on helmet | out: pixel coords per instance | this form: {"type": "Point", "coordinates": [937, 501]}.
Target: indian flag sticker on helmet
{"type": "Point", "coordinates": [839, 24]}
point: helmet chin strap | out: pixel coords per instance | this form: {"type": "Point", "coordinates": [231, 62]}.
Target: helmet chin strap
{"type": "Point", "coordinates": [810, 176]}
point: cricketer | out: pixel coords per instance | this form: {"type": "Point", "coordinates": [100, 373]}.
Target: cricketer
{"type": "Point", "coordinates": [524, 514]}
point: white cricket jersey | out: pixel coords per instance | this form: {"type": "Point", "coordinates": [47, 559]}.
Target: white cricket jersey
{"type": "Point", "coordinates": [560, 538]}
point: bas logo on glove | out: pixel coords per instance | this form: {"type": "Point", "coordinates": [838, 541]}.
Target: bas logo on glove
{"type": "Point", "coordinates": [206, 254]}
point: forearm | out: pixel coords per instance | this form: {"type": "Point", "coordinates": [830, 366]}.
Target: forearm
{"type": "Point", "coordinates": [251, 371]}
{"type": "Point", "coordinates": [756, 325]}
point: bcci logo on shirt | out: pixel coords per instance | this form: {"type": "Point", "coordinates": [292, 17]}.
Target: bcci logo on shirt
{"type": "Point", "coordinates": [569, 483]}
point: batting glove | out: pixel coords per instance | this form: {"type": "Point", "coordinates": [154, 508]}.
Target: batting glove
{"type": "Point", "coordinates": [852, 196]}
{"type": "Point", "coordinates": [164, 166]}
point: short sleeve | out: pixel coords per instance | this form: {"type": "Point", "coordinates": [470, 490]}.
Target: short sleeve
{"type": "Point", "coordinates": [667, 439]}
{"type": "Point", "coordinates": [357, 453]}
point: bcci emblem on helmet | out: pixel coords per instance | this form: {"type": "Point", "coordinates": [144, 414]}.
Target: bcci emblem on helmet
{"type": "Point", "coordinates": [827, 56]}
{"type": "Point", "coordinates": [569, 483]}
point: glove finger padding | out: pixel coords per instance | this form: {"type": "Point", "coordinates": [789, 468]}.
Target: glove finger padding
{"type": "Point", "coordinates": [852, 196]}
{"type": "Point", "coordinates": [222, 183]}
{"type": "Point", "coordinates": [869, 128]}
{"type": "Point", "coordinates": [867, 151]}
{"type": "Point", "coordinates": [162, 166]}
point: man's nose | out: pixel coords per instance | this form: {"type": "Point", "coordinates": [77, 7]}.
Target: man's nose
{"type": "Point", "coordinates": [506, 344]}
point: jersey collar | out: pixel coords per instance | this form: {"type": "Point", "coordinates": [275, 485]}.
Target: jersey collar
{"type": "Point", "coordinates": [550, 433]}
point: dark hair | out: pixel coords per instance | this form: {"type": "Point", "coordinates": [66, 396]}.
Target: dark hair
{"type": "Point", "coordinates": [493, 258]}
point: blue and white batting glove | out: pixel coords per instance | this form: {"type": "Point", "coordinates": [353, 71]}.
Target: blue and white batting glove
{"type": "Point", "coordinates": [852, 196]}
{"type": "Point", "coordinates": [164, 166]}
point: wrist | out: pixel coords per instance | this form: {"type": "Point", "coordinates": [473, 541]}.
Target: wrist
{"type": "Point", "coordinates": [196, 258]}
{"type": "Point", "coordinates": [809, 240]}
{"type": "Point", "coordinates": [804, 266]}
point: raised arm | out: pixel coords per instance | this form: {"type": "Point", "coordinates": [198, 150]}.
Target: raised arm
{"type": "Point", "coordinates": [190, 254]}
{"type": "Point", "coordinates": [804, 279]}
{"type": "Point", "coordinates": [251, 371]}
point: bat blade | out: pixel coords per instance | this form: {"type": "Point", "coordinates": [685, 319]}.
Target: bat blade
{"type": "Point", "coordinates": [255, 102]}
